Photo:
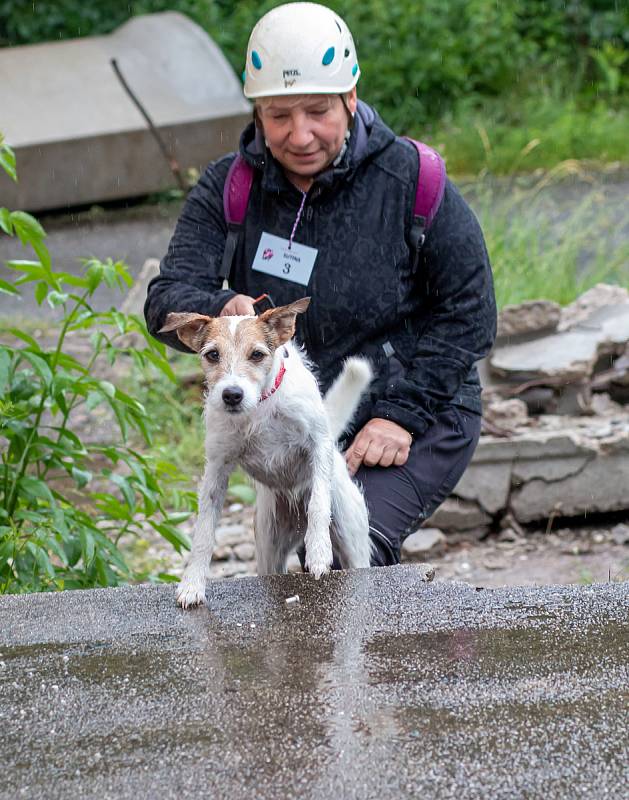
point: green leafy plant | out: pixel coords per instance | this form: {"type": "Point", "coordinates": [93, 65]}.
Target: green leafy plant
{"type": "Point", "coordinates": [69, 495]}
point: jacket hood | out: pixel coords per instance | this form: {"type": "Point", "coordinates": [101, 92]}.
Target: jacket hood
{"type": "Point", "coordinates": [368, 137]}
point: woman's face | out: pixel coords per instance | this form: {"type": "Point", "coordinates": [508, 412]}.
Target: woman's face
{"type": "Point", "coordinates": [305, 132]}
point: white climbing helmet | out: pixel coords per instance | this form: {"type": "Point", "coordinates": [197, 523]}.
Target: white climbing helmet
{"type": "Point", "coordinates": [300, 48]}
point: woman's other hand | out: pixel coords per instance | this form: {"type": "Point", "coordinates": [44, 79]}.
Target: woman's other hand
{"type": "Point", "coordinates": [379, 443]}
{"type": "Point", "coordinates": [240, 305]}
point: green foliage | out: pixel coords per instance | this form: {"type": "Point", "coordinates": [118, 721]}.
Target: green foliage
{"type": "Point", "coordinates": [420, 59]}
{"type": "Point", "coordinates": [7, 159]}
{"type": "Point", "coordinates": [533, 133]}
{"type": "Point", "coordinates": [67, 497]}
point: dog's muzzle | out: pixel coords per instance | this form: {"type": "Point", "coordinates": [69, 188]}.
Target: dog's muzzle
{"type": "Point", "coordinates": [232, 397]}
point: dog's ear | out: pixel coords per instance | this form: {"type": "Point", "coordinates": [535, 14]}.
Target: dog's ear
{"type": "Point", "coordinates": [282, 319]}
{"type": "Point", "coordinates": [191, 328]}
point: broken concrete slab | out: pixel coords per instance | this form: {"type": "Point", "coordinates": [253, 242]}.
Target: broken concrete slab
{"type": "Point", "coordinates": [594, 326]}
{"type": "Point", "coordinates": [571, 355]}
{"type": "Point", "coordinates": [555, 465]}
{"type": "Point", "coordinates": [549, 470]}
{"type": "Point", "coordinates": [600, 296]}
{"type": "Point", "coordinates": [530, 317]}
{"type": "Point", "coordinates": [78, 136]}
{"type": "Point", "coordinates": [599, 486]}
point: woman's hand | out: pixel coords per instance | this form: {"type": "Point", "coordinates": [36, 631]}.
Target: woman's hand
{"type": "Point", "coordinates": [239, 306]}
{"type": "Point", "coordinates": [380, 443]}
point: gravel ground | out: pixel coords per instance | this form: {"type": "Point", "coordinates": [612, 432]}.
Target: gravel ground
{"type": "Point", "coordinates": [565, 556]}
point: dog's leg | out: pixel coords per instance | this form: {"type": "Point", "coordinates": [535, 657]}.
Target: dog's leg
{"type": "Point", "coordinates": [317, 540]}
{"type": "Point", "coordinates": [212, 491]}
{"type": "Point", "coordinates": [276, 531]}
{"type": "Point", "coordinates": [350, 527]}
{"type": "Point", "coordinates": [268, 560]}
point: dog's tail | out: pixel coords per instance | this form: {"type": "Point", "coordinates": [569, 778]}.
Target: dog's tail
{"type": "Point", "coordinates": [342, 398]}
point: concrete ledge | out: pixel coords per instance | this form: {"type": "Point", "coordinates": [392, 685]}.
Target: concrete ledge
{"type": "Point", "coordinates": [376, 683]}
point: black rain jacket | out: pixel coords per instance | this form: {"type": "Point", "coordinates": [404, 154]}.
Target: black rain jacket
{"type": "Point", "coordinates": [366, 299]}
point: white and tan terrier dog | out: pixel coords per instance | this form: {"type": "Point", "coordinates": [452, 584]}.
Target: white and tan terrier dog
{"type": "Point", "coordinates": [264, 411]}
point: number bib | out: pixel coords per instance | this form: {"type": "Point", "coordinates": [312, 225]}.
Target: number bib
{"type": "Point", "coordinates": [275, 257]}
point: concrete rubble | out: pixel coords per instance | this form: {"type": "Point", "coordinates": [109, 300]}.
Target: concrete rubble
{"type": "Point", "coordinates": [556, 420]}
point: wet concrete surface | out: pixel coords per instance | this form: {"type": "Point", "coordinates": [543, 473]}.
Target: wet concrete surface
{"type": "Point", "coordinates": [376, 684]}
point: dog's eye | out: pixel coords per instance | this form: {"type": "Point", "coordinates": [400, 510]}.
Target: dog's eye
{"type": "Point", "coordinates": [212, 356]}
{"type": "Point", "coordinates": [257, 355]}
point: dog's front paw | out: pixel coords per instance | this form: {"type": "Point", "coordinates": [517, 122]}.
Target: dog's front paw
{"type": "Point", "coordinates": [319, 557]}
{"type": "Point", "coordinates": [190, 592]}
{"type": "Point", "coordinates": [317, 568]}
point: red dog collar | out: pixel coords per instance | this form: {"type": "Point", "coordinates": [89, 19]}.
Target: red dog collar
{"type": "Point", "coordinates": [276, 385]}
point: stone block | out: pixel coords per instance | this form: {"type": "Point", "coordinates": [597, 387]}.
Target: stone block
{"type": "Point", "coordinates": [78, 136]}
{"type": "Point", "coordinates": [531, 316]}
{"type": "Point", "coordinates": [620, 534]}
{"type": "Point", "coordinates": [600, 486]}
{"type": "Point", "coordinates": [455, 514]}
{"type": "Point", "coordinates": [245, 551]}
{"type": "Point", "coordinates": [136, 297]}
{"type": "Point", "coordinates": [424, 541]}
{"type": "Point", "coordinates": [487, 485]}
{"type": "Point", "coordinates": [232, 534]}
{"type": "Point", "coordinates": [570, 466]}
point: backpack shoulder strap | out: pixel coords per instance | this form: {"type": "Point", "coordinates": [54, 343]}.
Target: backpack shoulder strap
{"type": "Point", "coordinates": [431, 184]}
{"type": "Point", "coordinates": [235, 201]}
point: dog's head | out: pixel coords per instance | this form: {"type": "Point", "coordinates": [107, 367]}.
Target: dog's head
{"type": "Point", "coordinates": [237, 353]}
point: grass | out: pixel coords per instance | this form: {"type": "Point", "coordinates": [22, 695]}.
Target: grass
{"type": "Point", "coordinates": [555, 252]}
{"type": "Point", "coordinates": [524, 134]}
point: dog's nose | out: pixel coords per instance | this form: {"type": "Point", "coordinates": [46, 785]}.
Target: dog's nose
{"type": "Point", "coordinates": [232, 396]}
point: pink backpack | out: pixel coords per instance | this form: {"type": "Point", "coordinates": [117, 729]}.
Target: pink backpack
{"type": "Point", "coordinates": [431, 182]}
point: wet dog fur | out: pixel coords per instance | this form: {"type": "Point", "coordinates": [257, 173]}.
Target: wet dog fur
{"type": "Point", "coordinates": [263, 410]}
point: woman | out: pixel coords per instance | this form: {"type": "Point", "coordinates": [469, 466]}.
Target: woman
{"type": "Point", "coordinates": [334, 182]}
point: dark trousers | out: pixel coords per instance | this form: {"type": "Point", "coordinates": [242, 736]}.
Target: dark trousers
{"type": "Point", "coordinates": [399, 499]}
